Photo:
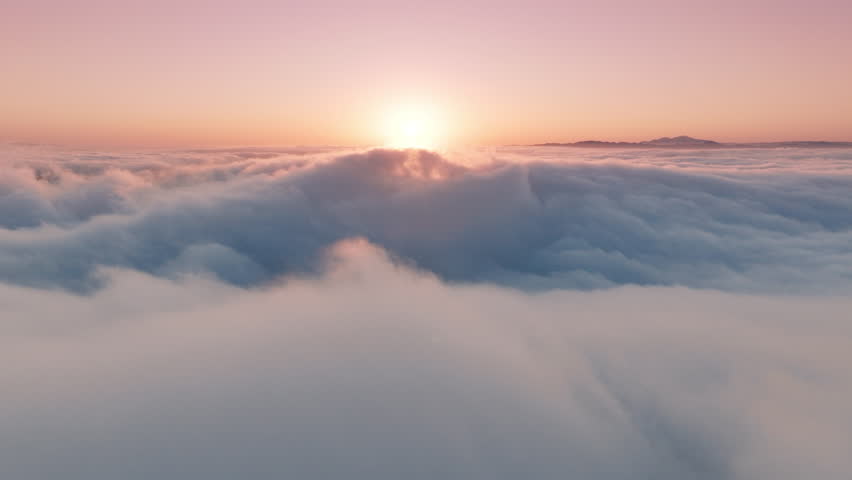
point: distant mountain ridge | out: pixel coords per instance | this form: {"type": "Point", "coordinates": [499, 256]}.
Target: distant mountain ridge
{"type": "Point", "coordinates": [684, 141]}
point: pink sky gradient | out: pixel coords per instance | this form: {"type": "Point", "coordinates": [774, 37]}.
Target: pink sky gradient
{"type": "Point", "coordinates": [252, 72]}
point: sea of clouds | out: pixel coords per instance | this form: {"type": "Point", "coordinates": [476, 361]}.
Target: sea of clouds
{"type": "Point", "coordinates": [503, 313]}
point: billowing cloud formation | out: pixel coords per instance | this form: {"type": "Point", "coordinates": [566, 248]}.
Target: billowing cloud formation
{"type": "Point", "coordinates": [374, 371]}
{"type": "Point", "coordinates": [741, 220]}
{"type": "Point", "coordinates": [272, 313]}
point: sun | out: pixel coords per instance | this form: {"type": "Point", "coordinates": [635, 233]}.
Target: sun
{"type": "Point", "coordinates": [413, 126]}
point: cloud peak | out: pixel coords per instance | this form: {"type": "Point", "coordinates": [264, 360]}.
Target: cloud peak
{"type": "Point", "coordinates": [534, 224]}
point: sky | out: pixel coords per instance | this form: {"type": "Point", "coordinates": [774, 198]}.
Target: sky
{"type": "Point", "coordinates": [186, 73]}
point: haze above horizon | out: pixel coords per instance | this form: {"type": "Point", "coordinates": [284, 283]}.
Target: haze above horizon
{"type": "Point", "coordinates": [333, 73]}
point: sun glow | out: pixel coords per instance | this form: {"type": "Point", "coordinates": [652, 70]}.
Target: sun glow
{"type": "Point", "coordinates": [413, 127]}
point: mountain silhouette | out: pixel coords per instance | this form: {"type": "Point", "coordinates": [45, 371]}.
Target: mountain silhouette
{"type": "Point", "coordinates": [684, 141]}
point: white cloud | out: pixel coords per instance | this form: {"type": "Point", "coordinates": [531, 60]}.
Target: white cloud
{"type": "Point", "coordinates": [529, 218]}
{"type": "Point", "coordinates": [374, 371]}
{"type": "Point", "coordinates": [176, 315]}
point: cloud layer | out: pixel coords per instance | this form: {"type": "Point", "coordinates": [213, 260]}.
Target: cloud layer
{"type": "Point", "coordinates": [375, 371]}
{"type": "Point", "coordinates": [519, 313]}
{"type": "Point", "coordinates": [740, 220]}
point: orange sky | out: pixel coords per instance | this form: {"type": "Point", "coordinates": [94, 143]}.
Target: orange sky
{"type": "Point", "coordinates": [227, 73]}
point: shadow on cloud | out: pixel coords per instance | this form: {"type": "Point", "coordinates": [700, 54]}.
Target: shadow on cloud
{"type": "Point", "coordinates": [527, 218]}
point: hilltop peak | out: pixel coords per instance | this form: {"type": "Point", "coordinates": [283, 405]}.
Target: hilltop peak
{"type": "Point", "coordinates": [681, 140]}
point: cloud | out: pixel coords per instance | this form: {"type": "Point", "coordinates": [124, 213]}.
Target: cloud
{"type": "Point", "coordinates": [759, 220]}
{"type": "Point", "coordinates": [372, 370]}
{"type": "Point", "coordinates": [268, 313]}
